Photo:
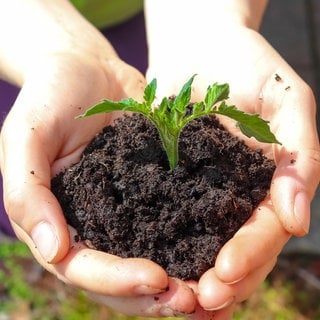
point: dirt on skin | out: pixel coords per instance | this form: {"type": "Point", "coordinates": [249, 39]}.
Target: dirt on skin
{"type": "Point", "coordinates": [123, 199]}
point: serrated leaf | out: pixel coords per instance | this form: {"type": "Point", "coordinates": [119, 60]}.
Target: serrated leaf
{"type": "Point", "coordinates": [182, 100]}
{"type": "Point", "coordinates": [110, 106]}
{"type": "Point", "coordinates": [150, 92]}
{"type": "Point", "coordinates": [250, 125]}
{"type": "Point", "coordinates": [198, 108]}
{"type": "Point", "coordinates": [161, 110]}
{"type": "Point", "coordinates": [260, 132]}
{"type": "Point", "coordinates": [216, 93]}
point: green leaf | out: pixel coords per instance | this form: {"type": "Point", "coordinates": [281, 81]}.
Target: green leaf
{"type": "Point", "coordinates": [250, 125]}
{"type": "Point", "coordinates": [161, 110]}
{"type": "Point", "coordinates": [110, 106]}
{"type": "Point", "coordinates": [198, 108]}
{"type": "Point", "coordinates": [182, 100]}
{"type": "Point", "coordinates": [150, 92]}
{"type": "Point", "coordinates": [215, 93]}
{"type": "Point", "coordinates": [260, 132]}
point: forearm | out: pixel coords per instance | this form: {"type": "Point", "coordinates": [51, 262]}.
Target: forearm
{"type": "Point", "coordinates": [247, 12]}
{"type": "Point", "coordinates": [29, 29]}
{"type": "Point", "coordinates": [210, 12]}
{"type": "Point", "coordinates": [194, 22]}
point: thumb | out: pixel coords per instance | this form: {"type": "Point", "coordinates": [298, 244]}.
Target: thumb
{"type": "Point", "coordinates": [298, 164]}
{"type": "Point", "coordinates": [25, 166]}
{"type": "Point", "coordinates": [294, 183]}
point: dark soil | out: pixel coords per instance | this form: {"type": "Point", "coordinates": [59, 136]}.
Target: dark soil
{"type": "Point", "coordinates": [123, 198]}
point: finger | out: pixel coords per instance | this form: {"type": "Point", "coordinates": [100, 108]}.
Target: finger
{"type": "Point", "coordinates": [222, 314]}
{"type": "Point", "coordinates": [104, 273]}
{"type": "Point", "coordinates": [298, 160]}
{"type": "Point", "coordinates": [242, 265]}
{"type": "Point", "coordinates": [41, 134]}
{"type": "Point", "coordinates": [179, 300]}
{"type": "Point", "coordinates": [257, 241]}
{"type": "Point", "coordinates": [292, 190]}
{"type": "Point", "coordinates": [215, 295]}
{"type": "Point", "coordinates": [27, 196]}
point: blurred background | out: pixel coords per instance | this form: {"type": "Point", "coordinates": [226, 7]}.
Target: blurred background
{"type": "Point", "coordinates": [292, 290]}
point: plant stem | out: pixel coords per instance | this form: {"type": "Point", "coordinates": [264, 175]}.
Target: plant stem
{"type": "Point", "coordinates": [170, 143]}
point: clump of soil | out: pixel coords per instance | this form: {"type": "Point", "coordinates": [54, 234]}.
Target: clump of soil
{"type": "Point", "coordinates": [123, 199]}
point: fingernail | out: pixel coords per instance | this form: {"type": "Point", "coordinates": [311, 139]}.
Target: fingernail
{"type": "Point", "coordinates": [45, 240]}
{"type": "Point", "coordinates": [168, 312]}
{"type": "Point", "coordinates": [235, 281]}
{"type": "Point", "coordinates": [229, 302]}
{"type": "Point", "coordinates": [302, 210]}
{"type": "Point", "coordinates": [147, 290]}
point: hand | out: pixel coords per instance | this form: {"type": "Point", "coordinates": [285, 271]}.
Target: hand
{"type": "Point", "coordinates": [64, 67]}
{"type": "Point", "coordinates": [39, 138]}
{"type": "Point", "coordinates": [260, 82]}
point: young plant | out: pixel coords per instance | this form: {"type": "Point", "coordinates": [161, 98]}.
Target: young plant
{"type": "Point", "coordinates": [173, 114]}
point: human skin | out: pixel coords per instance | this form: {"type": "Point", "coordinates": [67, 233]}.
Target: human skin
{"type": "Point", "coordinates": [66, 65]}
{"type": "Point", "coordinates": [231, 49]}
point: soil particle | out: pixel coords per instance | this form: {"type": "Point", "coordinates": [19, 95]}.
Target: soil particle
{"type": "Point", "coordinates": [123, 199]}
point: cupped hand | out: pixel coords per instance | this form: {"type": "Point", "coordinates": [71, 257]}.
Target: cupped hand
{"type": "Point", "coordinates": [39, 138]}
{"type": "Point", "coordinates": [260, 82]}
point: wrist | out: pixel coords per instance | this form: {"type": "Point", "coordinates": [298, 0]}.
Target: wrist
{"type": "Point", "coordinates": [49, 28]}
{"type": "Point", "coordinates": [243, 13]}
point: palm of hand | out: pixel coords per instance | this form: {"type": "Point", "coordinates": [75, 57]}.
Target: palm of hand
{"type": "Point", "coordinates": [260, 82]}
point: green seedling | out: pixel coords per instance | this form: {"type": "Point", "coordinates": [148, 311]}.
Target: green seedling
{"type": "Point", "coordinates": [174, 113]}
